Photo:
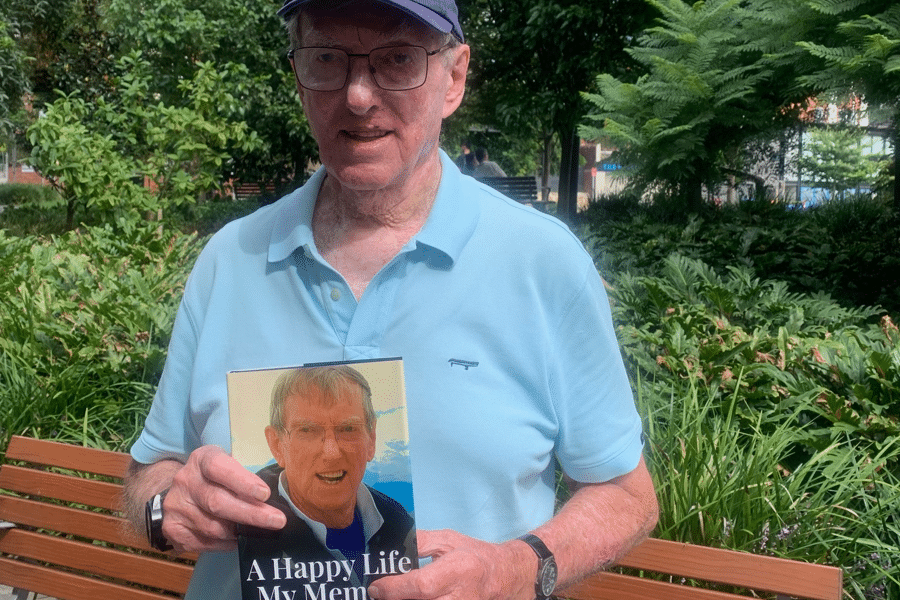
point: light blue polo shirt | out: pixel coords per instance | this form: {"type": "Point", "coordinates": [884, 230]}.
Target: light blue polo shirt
{"type": "Point", "coordinates": [503, 324]}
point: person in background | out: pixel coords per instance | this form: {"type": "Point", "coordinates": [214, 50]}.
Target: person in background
{"type": "Point", "coordinates": [486, 167]}
{"type": "Point", "coordinates": [465, 158]}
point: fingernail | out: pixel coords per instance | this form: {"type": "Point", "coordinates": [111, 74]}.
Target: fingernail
{"type": "Point", "coordinates": [261, 493]}
{"type": "Point", "coordinates": [278, 521]}
{"type": "Point", "coordinates": [374, 592]}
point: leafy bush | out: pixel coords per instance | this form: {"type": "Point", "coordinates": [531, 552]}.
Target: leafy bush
{"type": "Point", "coordinates": [96, 153]}
{"type": "Point", "coordinates": [84, 328]}
{"type": "Point", "coordinates": [772, 417]}
{"type": "Point", "coordinates": [21, 194]}
{"type": "Point", "coordinates": [849, 250]}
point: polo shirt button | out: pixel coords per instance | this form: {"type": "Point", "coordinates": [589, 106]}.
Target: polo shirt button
{"type": "Point", "coordinates": [335, 294]}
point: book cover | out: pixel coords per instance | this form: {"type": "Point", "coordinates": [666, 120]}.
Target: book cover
{"type": "Point", "coordinates": [331, 441]}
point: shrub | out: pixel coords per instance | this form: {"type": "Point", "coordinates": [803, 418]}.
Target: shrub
{"type": "Point", "coordinates": [773, 418]}
{"type": "Point", "coordinates": [21, 194]}
{"type": "Point", "coordinates": [84, 328]}
{"type": "Point", "coordinates": [849, 250]}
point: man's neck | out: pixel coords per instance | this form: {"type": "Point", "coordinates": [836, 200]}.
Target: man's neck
{"type": "Point", "coordinates": [358, 233]}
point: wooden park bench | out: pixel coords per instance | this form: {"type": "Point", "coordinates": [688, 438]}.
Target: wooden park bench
{"type": "Point", "coordinates": [520, 189]}
{"type": "Point", "coordinates": [64, 536]}
{"type": "Point", "coordinates": [66, 540]}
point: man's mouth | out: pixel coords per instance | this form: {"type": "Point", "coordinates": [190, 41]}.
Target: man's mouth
{"type": "Point", "coordinates": [365, 136]}
{"type": "Point", "coordinates": [332, 477]}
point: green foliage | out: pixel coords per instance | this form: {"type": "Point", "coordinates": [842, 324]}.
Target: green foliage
{"type": "Point", "coordinates": [857, 52]}
{"type": "Point", "coordinates": [834, 159]}
{"type": "Point", "coordinates": [84, 328]}
{"type": "Point", "coordinates": [780, 350]}
{"type": "Point", "coordinates": [863, 50]}
{"type": "Point", "coordinates": [848, 249]}
{"type": "Point", "coordinates": [244, 40]}
{"type": "Point", "coordinates": [723, 482]}
{"type": "Point", "coordinates": [772, 417]}
{"type": "Point", "coordinates": [84, 166]}
{"type": "Point", "coordinates": [530, 60]}
{"type": "Point", "coordinates": [21, 194]}
{"type": "Point", "coordinates": [703, 95]}
{"type": "Point", "coordinates": [13, 80]}
{"type": "Point", "coordinates": [92, 152]}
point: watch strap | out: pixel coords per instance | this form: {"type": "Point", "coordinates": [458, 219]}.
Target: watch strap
{"type": "Point", "coordinates": [155, 515]}
{"type": "Point", "coordinates": [539, 547]}
{"type": "Point", "coordinates": [545, 580]}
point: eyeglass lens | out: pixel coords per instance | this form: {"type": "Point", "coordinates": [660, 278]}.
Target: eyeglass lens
{"type": "Point", "coordinates": [345, 433]}
{"type": "Point", "coordinates": [393, 68]}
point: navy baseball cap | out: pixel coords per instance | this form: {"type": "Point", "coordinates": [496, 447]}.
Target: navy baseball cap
{"type": "Point", "coordinates": [437, 14]}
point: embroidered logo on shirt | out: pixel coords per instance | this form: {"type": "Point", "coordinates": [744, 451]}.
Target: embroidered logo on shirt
{"type": "Point", "coordinates": [463, 363]}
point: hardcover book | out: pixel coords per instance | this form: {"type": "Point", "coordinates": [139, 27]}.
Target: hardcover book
{"type": "Point", "coordinates": [332, 443]}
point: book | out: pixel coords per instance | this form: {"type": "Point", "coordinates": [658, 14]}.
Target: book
{"type": "Point", "coordinates": [331, 440]}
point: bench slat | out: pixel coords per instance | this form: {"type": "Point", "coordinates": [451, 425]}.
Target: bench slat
{"type": "Point", "coordinates": [90, 492]}
{"type": "Point", "coordinates": [63, 519]}
{"type": "Point", "coordinates": [97, 560]}
{"type": "Point", "coordinates": [68, 586]}
{"type": "Point", "coordinates": [77, 458]}
{"type": "Point", "coordinates": [742, 569]}
{"type": "Point", "coordinates": [613, 586]}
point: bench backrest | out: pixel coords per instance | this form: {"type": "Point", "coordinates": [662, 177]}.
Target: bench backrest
{"type": "Point", "coordinates": [69, 541]}
{"type": "Point", "coordinates": [521, 189]}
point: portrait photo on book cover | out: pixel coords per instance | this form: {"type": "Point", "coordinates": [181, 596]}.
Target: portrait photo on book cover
{"type": "Point", "coordinates": [331, 442]}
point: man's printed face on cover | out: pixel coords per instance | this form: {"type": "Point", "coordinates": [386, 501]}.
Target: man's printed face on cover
{"type": "Point", "coordinates": [323, 449]}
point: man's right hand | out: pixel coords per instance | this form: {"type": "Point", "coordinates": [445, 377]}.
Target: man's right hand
{"type": "Point", "coordinates": [208, 496]}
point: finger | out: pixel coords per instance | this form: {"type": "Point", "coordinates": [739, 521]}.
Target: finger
{"type": "Point", "coordinates": [220, 468]}
{"type": "Point", "coordinates": [210, 506]}
{"type": "Point", "coordinates": [436, 543]}
{"type": "Point", "coordinates": [186, 540]}
{"type": "Point", "coordinates": [418, 584]}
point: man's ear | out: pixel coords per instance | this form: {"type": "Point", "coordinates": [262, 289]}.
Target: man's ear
{"type": "Point", "coordinates": [370, 451]}
{"type": "Point", "coordinates": [273, 437]}
{"type": "Point", "coordinates": [458, 72]}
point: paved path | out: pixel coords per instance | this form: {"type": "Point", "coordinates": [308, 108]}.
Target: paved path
{"type": "Point", "coordinates": [6, 594]}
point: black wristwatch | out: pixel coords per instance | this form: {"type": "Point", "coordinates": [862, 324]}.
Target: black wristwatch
{"type": "Point", "coordinates": [153, 516]}
{"type": "Point", "coordinates": [545, 582]}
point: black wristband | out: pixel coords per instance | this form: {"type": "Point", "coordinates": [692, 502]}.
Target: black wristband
{"type": "Point", "coordinates": [153, 516]}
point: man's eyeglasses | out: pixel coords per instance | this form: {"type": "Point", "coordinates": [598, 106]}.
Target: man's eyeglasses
{"type": "Point", "coordinates": [350, 432]}
{"type": "Point", "coordinates": [394, 68]}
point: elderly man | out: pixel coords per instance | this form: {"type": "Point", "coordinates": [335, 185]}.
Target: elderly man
{"type": "Point", "coordinates": [322, 435]}
{"type": "Point", "coordinates": [510, 357]}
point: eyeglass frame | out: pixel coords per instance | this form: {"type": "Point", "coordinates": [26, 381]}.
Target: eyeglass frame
{"type": "Point", "coordinates": [316, 432]}
{"type": "Point", "coordinates": [368, 57]}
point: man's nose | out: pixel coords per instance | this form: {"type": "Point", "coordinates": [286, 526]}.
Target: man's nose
{"type": "Point", "coordinates": [362, 91]}
{"type": "Point", "coordinates": [330, 445]}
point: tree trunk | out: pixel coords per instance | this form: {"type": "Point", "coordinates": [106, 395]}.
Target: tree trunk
{"type": "Point", "coordinates": [545, 167]}
{"type": "Point", "coordinates": [695, 200]}
{"type": "Point", "coordinates": [567, 207]}
{"type": "Point", "coordinates": [70, 213]}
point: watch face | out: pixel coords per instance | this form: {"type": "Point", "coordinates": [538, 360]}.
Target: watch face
{"type": "Point", "coordinates": [547, 577]}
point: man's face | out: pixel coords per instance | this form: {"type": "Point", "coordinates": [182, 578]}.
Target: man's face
{"type": "Point", "coordinates": [323, 449]}
{"type": "Point", "coordinates": [369, 138]}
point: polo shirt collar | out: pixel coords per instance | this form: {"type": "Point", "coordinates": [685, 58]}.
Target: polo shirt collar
{"type": "Point", "coordinates": [454, 215]}
{"type": "Point", "coordinates": [450, 225]}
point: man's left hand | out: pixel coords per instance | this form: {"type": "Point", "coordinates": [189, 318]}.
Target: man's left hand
{"type": "Point", "coordinates": [463, 568]}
